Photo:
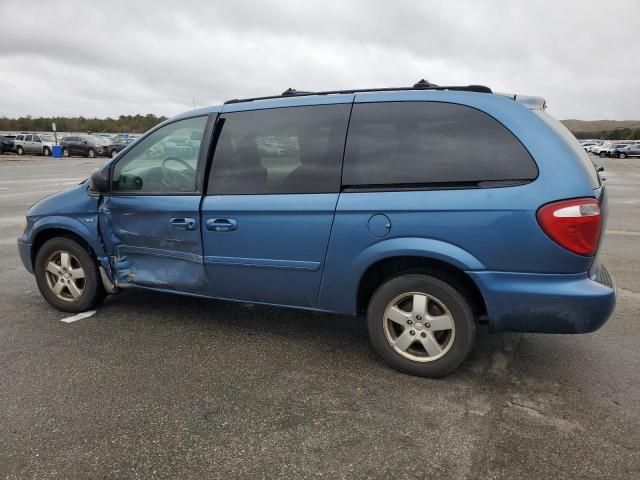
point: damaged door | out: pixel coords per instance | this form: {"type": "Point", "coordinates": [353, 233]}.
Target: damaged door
{"type": "Point", "coordinates": [150, 221]}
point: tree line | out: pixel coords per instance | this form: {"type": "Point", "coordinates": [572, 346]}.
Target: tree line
{"type": "Point", "coordinates": [122, 124]}
{"type": "Point", "coordinates": [617, 134]}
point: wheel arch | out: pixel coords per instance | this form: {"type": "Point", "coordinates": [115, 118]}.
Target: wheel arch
{"type": "Point", "coordinates": [396, 256]}
{"type": "Point", "coordinates": [383, 270]}
{"type": "Point", "coordinates": [64, 227]}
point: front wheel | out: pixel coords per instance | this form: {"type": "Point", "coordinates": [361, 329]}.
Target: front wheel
{"type": "Point", "coordinates": [68, 276]}
{"type": "Point", "coordinates": [20, 151]}
{"type": "Point", "coordinates": [114, 153]}
{"type": "Point", "coordinates": [46, 151]}
{"type": "Point", "coordinates": [421, 325]}
{"type": "Point", "coordinates": [603, 154]}
{"type": "Point", "coordinates": [622, 155]}
{"type": "Point", "coordinates": [65, 152]}
{"type": "Point", "coordinates": [91, 153]}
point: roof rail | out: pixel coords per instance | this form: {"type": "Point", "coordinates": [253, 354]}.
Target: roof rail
{"type": "Point", "coordinates": [421, 85]}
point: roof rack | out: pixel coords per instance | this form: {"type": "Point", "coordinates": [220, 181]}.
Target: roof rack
{"type": "Point", "coordinates": [421, 85]}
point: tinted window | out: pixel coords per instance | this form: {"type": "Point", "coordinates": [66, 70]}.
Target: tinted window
{"type": "Point", "coordinates": [28, 138]}
{"type": "Point", "coordinates": [283, 150]}
{"type": "Point", "coordinates": [404, 143]}
{"type": "Point", "coordinates": [164, 162]}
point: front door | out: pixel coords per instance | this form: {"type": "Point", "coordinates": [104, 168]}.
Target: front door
{"type": "Point", "coordinates": [28, 144]}
{"type": "Point", "coordinates": [150, 219]}
{"type": "Point", "coordinates": [269, 208]}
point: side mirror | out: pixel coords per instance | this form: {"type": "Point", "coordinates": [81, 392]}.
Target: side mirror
{"type": "Point", "coordinates": [99, 180]}
{"type": "Point", "coordinates": [84, 142]}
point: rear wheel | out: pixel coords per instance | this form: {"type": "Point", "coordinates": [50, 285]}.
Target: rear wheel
{"type": "Point", "coordinates": [67, 275]}
{"type": "Point", "coordinates": [65, 152]}
{"type": "Point", "coordinates": [91, 153]}
{"type": "Point", "coordinates": [20, 151]}
{"type": "Point", "coordinates": [114, 153]}
{"type": "Point", "coordinates": [622, 155]}
{"type": "Point", "coordinates": [421, 325]}
{"type": "Point", "coordinates": [603, 154]}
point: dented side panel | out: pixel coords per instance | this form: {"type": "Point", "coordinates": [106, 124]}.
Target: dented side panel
{"type": "Point", "coordinates": [154, 241]}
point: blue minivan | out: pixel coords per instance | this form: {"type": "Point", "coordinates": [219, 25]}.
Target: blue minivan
{"type": "Point", "coordinates": [428, 208]}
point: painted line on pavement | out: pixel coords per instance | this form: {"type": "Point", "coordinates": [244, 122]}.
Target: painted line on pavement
{"type": "Point", "coordinates": [623, 232]}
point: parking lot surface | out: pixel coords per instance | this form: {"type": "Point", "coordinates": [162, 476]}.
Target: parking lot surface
{"type": "Point", "coordinates": [160, 386]}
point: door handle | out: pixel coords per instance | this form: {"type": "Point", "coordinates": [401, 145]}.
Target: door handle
{"type": "Point", "coordinates": [221, 224]}
{"type": "Point", "coordinates": [182, 224]}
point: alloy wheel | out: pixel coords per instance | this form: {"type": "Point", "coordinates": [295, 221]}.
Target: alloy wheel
{"type": "Point", "coordinates": [419, 326]}
{"type": "Point", "coordinates": [65, 276]}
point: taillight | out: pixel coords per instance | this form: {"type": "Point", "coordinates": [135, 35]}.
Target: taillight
{"type": "Point", "coordinates": [573, 224]}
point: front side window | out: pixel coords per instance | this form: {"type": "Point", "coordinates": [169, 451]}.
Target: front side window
{"type": "Point", "coordinates": [281, 150]}
{"type": "Point", "coordinates": [422, 143]}
{"type": "Point", "coordinates": [165, 162]}
{"type": "Point", "coordinates": [28, 138]}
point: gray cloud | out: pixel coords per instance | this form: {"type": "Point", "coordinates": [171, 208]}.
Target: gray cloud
{"type": "Point", "coordinates": [122, 57]}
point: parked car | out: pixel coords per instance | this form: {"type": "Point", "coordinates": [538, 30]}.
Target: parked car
{"type": "Point", "coordinates": [117, 145]}
{"type": "Point", "coordinates": [34, 144]}
{"type": "Point", "coordinates": [6, 144]}
{"type": "Point", "coordinates": [588, 145]}
{"type": "Point", "coordinates": [601, 149]}
{"type": "Point", "coordinates": [631, 150]}
{"type": "Point", "coordinates": [83, 145]}
{"type": "Point", "coordinates": [607, 149]}
{"type": "Point", "coordinates": [427, 208]}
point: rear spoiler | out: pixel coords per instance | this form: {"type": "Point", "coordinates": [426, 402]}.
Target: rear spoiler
{"type": "Point", "coordinates": [531, 102]}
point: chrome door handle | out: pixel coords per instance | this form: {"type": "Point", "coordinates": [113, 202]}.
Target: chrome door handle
{"type": "Point", "coordinates": [182, 224]}
{"type": "Point", "coordinates": [221, 224]}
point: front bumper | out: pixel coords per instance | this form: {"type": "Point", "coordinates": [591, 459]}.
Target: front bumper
{"type": "Point", "coordinates": [546, 303]}
{"type": "Point", "coordinates": [24, 248]}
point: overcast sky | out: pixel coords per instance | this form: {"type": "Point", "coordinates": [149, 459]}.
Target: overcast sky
{"type": "Point", "coordinates": [106, 58]}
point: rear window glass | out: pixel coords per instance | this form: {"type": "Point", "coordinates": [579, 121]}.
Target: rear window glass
{"type": "Point", "coordinates": [573, 143]}
{"type": "Point", "coordinates": [413, 143]}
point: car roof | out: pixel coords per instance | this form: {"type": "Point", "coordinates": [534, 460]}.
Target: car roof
{"type": "Point", "coordinates": [421, 91]}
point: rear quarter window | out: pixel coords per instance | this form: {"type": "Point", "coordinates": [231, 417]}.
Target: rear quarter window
{"type": "Point", "coordinates": [425, 143]}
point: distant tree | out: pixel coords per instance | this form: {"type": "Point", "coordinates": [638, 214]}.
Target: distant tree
{"type": "Point", "coordinates": [123, 124]}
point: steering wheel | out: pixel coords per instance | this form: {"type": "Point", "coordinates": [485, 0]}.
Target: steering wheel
{"type": "Point", "coordinates": [176, 179]}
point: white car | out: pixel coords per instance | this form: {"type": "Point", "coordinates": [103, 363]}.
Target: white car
{"type": "Point", "coordinates": [39, 144]}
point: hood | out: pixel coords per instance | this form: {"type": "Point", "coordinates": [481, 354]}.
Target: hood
{"type": "Point", "coordinates": [69, 202]}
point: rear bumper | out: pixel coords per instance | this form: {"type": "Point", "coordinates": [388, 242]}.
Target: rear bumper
{"type": "Point", "coordinates": [544, 303]}
{"type": "Point", "coordinates": [24, 249]}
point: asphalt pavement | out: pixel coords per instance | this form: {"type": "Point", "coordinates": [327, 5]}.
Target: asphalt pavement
{"type": "Point", "coordinates": [161, 386]}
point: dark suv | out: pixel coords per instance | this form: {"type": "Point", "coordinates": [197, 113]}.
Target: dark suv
{"type": "Point", "coordinates": [426, 208]}
{"type": "Point", "coordinates": [83, 145]}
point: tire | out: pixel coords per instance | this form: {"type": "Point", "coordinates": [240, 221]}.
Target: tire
{"type": "Point", "coordinates": [602, 154]}
{"type": "Point", "coordinates": [88, 291]}
{"type": "Point", "coordinates": [20, 151]}
{"type": "Point", "coordinates": [65, 152]}
{"type": "Point", "coordinates": [91, 153]}
{"type": "Point", "coordinates": [444, 305]}
{"type": "Point", "coordinates": [622, 155]}
{"type": "Point", "coordinates": [114, 153]}
{"type": "Point", "coordinates": [46, 151]}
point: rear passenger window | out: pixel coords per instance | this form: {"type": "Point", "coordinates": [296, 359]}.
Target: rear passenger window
{"type": "Point", "coordinates": [421, 143]}
{"type": "Point", "coordinates": [281, 150]}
